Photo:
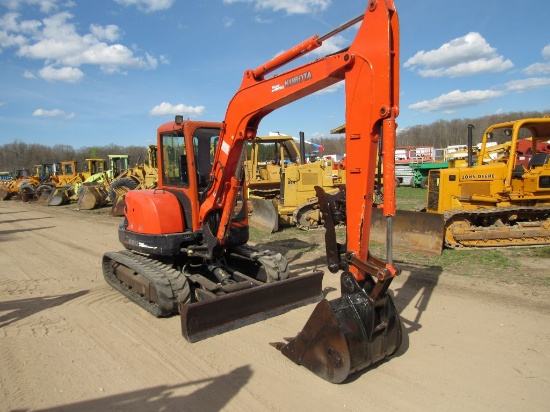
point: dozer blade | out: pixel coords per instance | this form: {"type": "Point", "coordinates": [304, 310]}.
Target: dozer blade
{"type": "Point", "coordinates": [208, 318]}
{"type": "Point", "coordinates": [346, 334]}
{"type": "Point", "coordinates": [415, 231]}
{"type": "Point", "coordinates": [264, 216]}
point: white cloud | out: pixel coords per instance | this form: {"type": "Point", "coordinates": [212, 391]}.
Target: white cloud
{"type": "Point", "coordinates": [520, 86]}
{"type": "Point", "coordinates": [331, 45]}
{"type": "Point", "coordinates": [540, 68]}
{"type": "Point", "coordinates": [228, 22]}
{"type": "Point", "coordinates": [331, 89]}
{"type": "Point", "coordinates": [28, 75]}
{"type": "Point", "coordinates": [12, 33]}
{"type": "Point", "coordinates": [167, 108]}
{"type": "Point", "coordinates": [53, 113]}
{"type": "Point", "coordinates": [289, 6]}
{"type": "Point", "coordinates": [464, 56]}
{"type": "Point", "coordinates": [148, 5]}
{"type": "Point", "coordinates": [46, 6]}
{"type": "Point", "coordinates": [109, 32]}
{"type": "Point", "coordinates": [56, 41]}
{"type": "Point", "coordinates": [64, 74]}
{"type": "Point", "coordinates": [260, 20]}
{"type": "Point", "coordinates": [456, 100]}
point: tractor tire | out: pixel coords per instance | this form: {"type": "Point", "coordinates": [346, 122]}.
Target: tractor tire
{"type": "Point", "coordinates": [27, 192]}
{"type": "Point", "coordinates": [127, 182]}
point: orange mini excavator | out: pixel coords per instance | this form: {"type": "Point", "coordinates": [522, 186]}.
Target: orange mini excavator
{"type": "Point", "coordinates": [186, 240]}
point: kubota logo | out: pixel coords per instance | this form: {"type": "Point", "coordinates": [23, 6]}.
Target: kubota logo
{"type": "Point", "coordinates": [292, 81]}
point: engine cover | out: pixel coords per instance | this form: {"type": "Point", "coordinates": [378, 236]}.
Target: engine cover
{"type": "Point", "coordinates": [153, 211]}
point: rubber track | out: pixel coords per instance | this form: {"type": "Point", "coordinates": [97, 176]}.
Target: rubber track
{"type": "Point", "coordinates": [172, 286]}
{"type": "Point", "coordinates": [472, 216]}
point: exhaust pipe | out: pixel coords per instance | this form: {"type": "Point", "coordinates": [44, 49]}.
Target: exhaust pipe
{"type": "Point", "coordinates": [470, 144]}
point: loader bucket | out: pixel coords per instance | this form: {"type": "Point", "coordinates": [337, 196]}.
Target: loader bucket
{"type": "Point", "coordinates": [264, 215]}
{"type": "Point", "coordinates": [118, 206]}
{"type": "Point", "coordinates": [346, 334]}
{"type": "Point", "coordinates": [4, 194]}
{"type": "Point", "coordinates": [91, 197]}
{"type": "Point", "coordinates": [58, 197]}
{"type": "Point", "coordinates": [208, 318]}
{"type": "Point", "coordinates": [44, 194]}
{"type": "Point", "coordinates": [415, 231]}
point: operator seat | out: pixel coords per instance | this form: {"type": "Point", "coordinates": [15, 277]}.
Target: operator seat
{"type": "Point", "coordinates": [540, 159]}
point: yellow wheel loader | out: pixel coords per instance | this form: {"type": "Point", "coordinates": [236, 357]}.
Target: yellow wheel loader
{"type": "Point", "coordinates": [69, 181]}
{"type": "Point", "coordinates": [11, 187]}
{"type": "Point", "coordinates": [94, 191]}
{"type": "Point", "coordinates": [141, 176]}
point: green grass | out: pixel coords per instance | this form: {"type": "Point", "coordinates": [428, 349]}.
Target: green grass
{"type": "Point", "coordinates": [409, 198]}
{"type": "Point", "coordinates": [506, 265]}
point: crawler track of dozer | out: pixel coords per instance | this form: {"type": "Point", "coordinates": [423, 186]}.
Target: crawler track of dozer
{"type": "Point", "coordinates": [209, 306]}
{"type": "Point", "coordinates": [498, 227]}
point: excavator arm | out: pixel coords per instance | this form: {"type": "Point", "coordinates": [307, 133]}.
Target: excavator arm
{"type": "Point", "coordinates": [369, 68]}
{"type": "Point", "coordinates": [361, 327]}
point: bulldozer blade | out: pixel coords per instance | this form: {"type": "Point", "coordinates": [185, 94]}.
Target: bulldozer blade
{"type": "Point", "coordinates": [415, 231]}
{"type": "Point", "coordinates": [346, 334]}
{"type": "Point", "coordinates": [208, 318]}
{"type": "Point", "coordinates": [264, 216]}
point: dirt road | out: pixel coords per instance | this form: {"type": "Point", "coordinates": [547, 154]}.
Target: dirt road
{"type": "Point", "coordinates": [69, 342]}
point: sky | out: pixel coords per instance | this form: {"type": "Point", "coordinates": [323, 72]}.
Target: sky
{"type": "Point", "coordinates": [98, 72]}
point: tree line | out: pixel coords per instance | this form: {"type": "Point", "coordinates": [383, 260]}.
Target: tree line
{"type": "Point", "coordinates": [440, 134]}
{"type": "Point", "coordinates": [20, 155]}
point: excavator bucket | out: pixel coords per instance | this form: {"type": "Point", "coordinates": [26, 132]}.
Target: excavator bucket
{"type": "Point", "coordinates": [415, 231]}
{"type": "Point", "coordinates": [346, 334]}
{"type": "Point", "coordinates": [211, 317]}
{"type": "Point", "coordinates": [264, 215]}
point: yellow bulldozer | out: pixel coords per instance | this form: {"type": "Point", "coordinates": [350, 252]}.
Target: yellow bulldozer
{"type": "Point", "coordinates": [281, 190]}
{"type": "Point", "coordinates": [497, 203]}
